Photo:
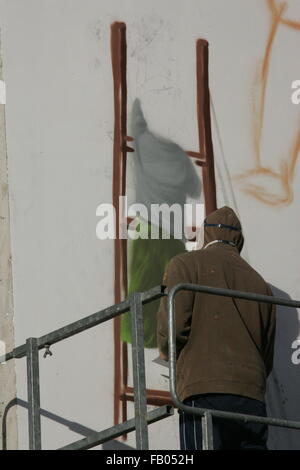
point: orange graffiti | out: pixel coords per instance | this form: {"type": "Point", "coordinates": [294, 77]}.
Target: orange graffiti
{"type": "Point", "coordinates": [285, 175]}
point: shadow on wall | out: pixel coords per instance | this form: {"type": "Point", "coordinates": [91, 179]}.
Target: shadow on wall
{"type": "Point", "coordinates": [71, 425]}
{"type": "Point", "coordinates": [281, 394]}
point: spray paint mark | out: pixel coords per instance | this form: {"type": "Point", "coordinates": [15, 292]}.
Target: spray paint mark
{"type": "Point", "coordinates": [285, 175]}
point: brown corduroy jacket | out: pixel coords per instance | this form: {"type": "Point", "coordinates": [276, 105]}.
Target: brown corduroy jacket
{"type": "Point", "coordinates": [224, 345]}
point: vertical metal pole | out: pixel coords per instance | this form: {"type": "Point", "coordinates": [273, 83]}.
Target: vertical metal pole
{"type": "Point", "coordinates": [207, 432]}
{"type": "Point", "coordinates": [139, 379]}
{"type": "Point", "coordinates": [33, 387]}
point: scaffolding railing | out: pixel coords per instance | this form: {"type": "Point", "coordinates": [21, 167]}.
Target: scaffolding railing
{"type": "Point", "coordinates": [142, 418]}
{"type": "Point", "coordinates": [31, 348]}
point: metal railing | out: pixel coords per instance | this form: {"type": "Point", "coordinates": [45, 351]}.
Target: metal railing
{"type": "Point", "coordinates": [205, 413]}
{"type": "Point", "coordinates": [142, 418]}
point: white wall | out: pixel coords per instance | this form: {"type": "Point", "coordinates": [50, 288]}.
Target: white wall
{"type": "Point", "coordinates": [59, 113]}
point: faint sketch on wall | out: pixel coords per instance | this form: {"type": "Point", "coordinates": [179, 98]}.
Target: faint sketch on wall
{"type": "Point", "coordinates": [255, 181]}
{"type": "Point", "coordinates": [163, 173]}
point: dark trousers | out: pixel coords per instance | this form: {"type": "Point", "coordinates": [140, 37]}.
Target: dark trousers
{"type": "Point", "coordinates": [227, 434]}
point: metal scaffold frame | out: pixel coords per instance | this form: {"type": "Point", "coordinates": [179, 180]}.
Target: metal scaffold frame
{"type": "Point", "coordinates": [142, 418]}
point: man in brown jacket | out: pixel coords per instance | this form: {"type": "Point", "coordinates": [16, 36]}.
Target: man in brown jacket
{"type": "Point", "coordinates": [224, 345]}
